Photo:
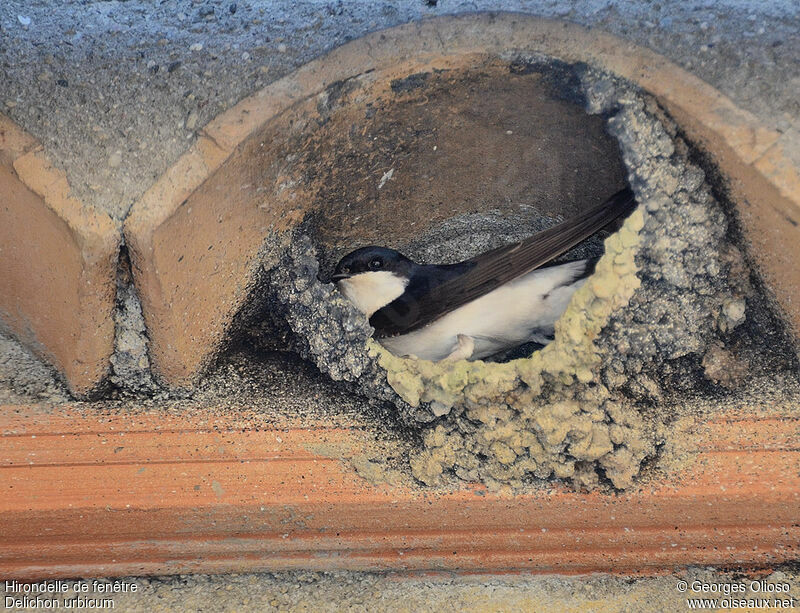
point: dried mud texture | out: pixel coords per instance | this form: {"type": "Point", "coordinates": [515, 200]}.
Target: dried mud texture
{"type": "Point", "coordinates": [670, 286]}
{"type": "Point", "coordinates": [130, 363]}
{"type": "Point", "coordinates": [542, 415]}
{"type": "Point", "coordinates": [335, 346]}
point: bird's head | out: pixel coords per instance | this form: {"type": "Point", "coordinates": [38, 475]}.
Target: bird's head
{"type": "Point", "coordinates": [372, 277]}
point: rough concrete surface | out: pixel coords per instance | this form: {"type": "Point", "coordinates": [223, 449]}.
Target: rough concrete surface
{"type": "Point", "coordinates": [116, 91]}
{"type": "Point", "coordinates": [374, 592]}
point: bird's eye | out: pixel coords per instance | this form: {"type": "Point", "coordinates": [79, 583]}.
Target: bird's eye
{"type": "Point", "coordinates": [376, 263]}
{"type": "Point", "coordinates": [346, 270]}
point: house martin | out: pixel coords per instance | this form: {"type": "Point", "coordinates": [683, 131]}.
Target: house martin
{"type": "Point", "coordinates": [479, 307]}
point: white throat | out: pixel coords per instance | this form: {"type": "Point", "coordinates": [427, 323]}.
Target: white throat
{"type": "Point", "coordinates": [370, 291]}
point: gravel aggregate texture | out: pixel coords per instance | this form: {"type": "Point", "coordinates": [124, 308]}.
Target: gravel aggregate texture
{"type": "Point", "coordinates": [306, 591]}
{"type": "Point", "coordinates": [116, 91]}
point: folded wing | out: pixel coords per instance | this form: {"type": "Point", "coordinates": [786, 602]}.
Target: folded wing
{"type": "Point", "coordinates": [427, 300]}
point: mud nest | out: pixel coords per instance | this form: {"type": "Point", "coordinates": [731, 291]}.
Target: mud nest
{"type": "Point", "coordinates": [667, 295]}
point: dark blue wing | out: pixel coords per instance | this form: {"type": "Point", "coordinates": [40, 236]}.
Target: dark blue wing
{"type": "Point", "coordinates": [429, 297]}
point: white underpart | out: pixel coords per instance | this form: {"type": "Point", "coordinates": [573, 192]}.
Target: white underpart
{"type": "Point", "coordinates": [370, 291]}
{"type": "Point", "coordinates": [523, 310]}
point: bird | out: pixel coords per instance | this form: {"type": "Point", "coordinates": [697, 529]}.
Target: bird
{"type": "Point", "coordinates": [479, 307]}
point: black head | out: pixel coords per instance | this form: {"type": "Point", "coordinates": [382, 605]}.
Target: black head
{"type": "Point", "coordinates": [372, 259]}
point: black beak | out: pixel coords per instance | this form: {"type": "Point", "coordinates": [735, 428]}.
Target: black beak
{"type": "Point", "coordinates": [339, 276]}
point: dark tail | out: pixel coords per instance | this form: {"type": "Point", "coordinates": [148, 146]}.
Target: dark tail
{"type": "Point", "coordinates": [490, 270]}
{"type": "Point", "coordinates": [549, 244]}
{"type": "Point", "coordinates": [627, 204]}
